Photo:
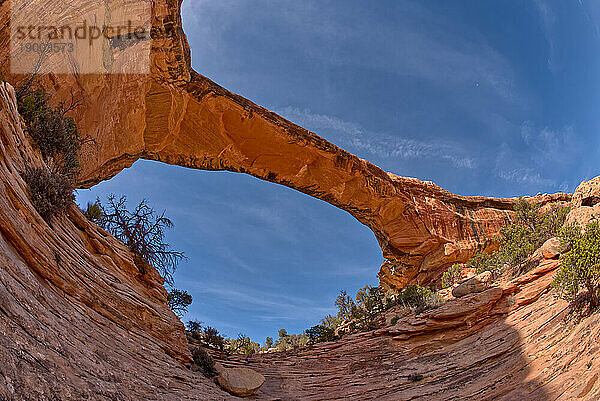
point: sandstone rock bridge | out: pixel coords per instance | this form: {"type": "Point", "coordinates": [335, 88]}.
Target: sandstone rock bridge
{"type": "Point", "coordinates": [177, 116]}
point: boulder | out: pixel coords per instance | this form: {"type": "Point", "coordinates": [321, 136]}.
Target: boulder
{"type": "Point", "coordinates": [551, 248]}
{"type": "Point", "coordinates": [242, 381]}
{"type": "Point", "coordinates": [478, 283]}
{"type": "Point", "coordinates": [587, 194]}
{"type": "Point", "coordinates": [585, 203]}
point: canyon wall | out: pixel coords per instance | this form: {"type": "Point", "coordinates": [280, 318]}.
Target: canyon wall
{"type": "Point", "coordinates": [177, 116]}
{"type": "Point", "coordinates": [77, 319]}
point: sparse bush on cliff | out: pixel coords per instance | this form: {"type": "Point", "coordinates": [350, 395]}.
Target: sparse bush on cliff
{"type": "Point", "coordinates": [291, 341]}
{"type": "Point", "coordinates": [325, 330]}
{"type": "Point", "coordinates": [451, 276]}
{"type": "Point", "coordinates": [179, 301]}
{"type": "Point", "coordinates": [55, 133]}
{"type": "Point", "coordinates": [580, 269]}
{"type": "Point", "coordinates": [195, 328]}
{"type": "Point", "coordinates": [364, 312]}
{"type": "Point", "coordinates": [529, 230]}
{"type": "Point", "coordinates": [51, 193]}
{"type": "Point", "coordinates": [203, 362]}
{"type": "Point", "coordinates": [418, 298]}
{"type": "Point", "coordinates": [142, 230]}
{"type": "Point", "coordinates": [207, 334]}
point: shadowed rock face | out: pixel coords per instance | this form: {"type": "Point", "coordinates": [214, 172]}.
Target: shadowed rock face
{"type": "Point", "coordinates": [177, 116]}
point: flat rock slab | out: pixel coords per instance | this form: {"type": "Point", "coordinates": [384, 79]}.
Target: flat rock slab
{"type": "Point", "coordinates": [241, 381]}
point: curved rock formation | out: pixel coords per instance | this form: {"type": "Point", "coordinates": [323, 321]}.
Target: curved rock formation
{"type": "Point", "coordinates": [177, 116]}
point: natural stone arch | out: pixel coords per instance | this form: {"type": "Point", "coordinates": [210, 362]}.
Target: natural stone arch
{"type": "Point", "coordinates": [177, 116]}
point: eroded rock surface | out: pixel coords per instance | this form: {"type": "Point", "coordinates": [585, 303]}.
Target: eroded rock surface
{"type": "Point", "coordinates": [585, 206]}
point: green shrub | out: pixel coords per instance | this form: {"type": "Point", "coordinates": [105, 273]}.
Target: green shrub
{"type": "Point", "coordinates": [418, 298]}
{"type": "Point", "coordinates": [291, 341]}
{"type": "Point", "coordinates": [529, 230]}
{"type": "Point", "coordinates": [54, 132]}
{"type": "Point", "coordinates": [451, 276]}
{"type": "Point", "coordinates": [321, 333]}
{"type": "Point", "coordinates": [179, 301]}
{"type": "Point", "coordinates": [370, 302]}
{"type": "Point", "coordinates": [51, 192]}
{"type": "Point", "coordinates": [203, 362]}
{"type": "Point", "coordinates": [580, 267]}
{"type": "Point", "coordinates": [364, 312]}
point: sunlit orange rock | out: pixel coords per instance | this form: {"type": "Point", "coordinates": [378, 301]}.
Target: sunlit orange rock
{"type": "Point", "coordinates": [177, 116]}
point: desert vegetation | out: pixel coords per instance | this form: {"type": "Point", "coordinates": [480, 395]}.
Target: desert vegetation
{"type": "Point", "coordinates": [354, 314]}
{"type": "Point", "coordinates": [578, 279]}
{"type": "Point", "coordinates": [51, 192]}
{"type": "Point", "coordinates": [141, 229]}
{"type": "Point", "coordinates": [528, 231]}
{"type": "Point", "coordinates": [52, 130]}
{"type": "Point", "coordinates": [56, 135]}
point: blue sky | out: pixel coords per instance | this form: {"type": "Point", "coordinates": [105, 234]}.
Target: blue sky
{"type": "Point", "coordinates": [496, 98]}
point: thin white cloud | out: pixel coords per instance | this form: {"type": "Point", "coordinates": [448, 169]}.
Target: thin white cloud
{"type": "Point", "coordinates": [270, 305]}
{"type": "Point", "coordinates": [548, 19]}
{"type": "Point", "coordinates": [421, 43]}
{"type": "Point", "coordinates": [351, 135]}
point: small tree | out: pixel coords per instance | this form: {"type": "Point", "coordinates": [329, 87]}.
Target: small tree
{"type": "Point", "coordinates": [529, 230]}
{"type": "Point", "coordinates": [451, 276]}
{"type": "Point", "coordinates": [214, 338]}
{"type": "Point", "coordinates": [321, 333]}
{"type": "Point", "coordinates": [194, 328]}
{"type": "Point", "coordinates": [580, 267]}
{"type": "Point", "coordinates": [269, 342]}
{"type": "Point", "coordinates": [179, 301]}
{"type": "Point", "coordinates": [243, 345]}
{"type": "Point", "coordinates": [93, 211]}
{"type": "Point", "coordinates": [142, 230]}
